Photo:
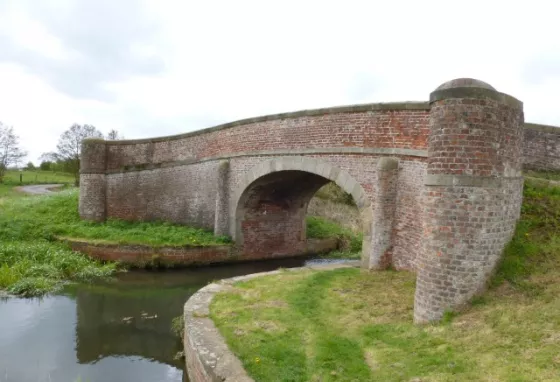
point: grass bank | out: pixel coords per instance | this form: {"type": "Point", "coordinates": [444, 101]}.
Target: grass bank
{"type": "Point", "coordinates": [35, 268]}
{"type": "Point", "coordinates": [33, 263]}
{"type": "Point", "coordinates": [349, 242]}
{"type": "Point", "coordinates": [30, 264]}
{"type": "Point", "coordinates": [55, 215]}
{"type": "Point", "coordinates": [12, 177]}
{"type": "Point", "coordinates": [49, 216]}
{"type": "Point", "coordinates": [348, 325]}
{"type": "Point", "coordinates": [333, 213]}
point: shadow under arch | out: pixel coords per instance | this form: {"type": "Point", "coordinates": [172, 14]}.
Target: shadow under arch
{"type": "Point", "coordinates": [268, 207]}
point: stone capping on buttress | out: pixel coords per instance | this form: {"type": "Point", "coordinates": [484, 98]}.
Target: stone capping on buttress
{"type": "Point", "coordinates": [472, 88]}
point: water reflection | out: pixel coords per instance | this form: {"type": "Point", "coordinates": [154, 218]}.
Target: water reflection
{"type": "Point", "coordinates": [110, 331]}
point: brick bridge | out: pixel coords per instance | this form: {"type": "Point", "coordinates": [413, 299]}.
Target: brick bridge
{"type": "Point", "coordinates": [438, 184]}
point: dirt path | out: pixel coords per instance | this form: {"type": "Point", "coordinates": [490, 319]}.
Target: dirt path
{"type": "Point", "coordinates": [38, 189]}
{"type": "Point", "coordinates": [549, 181]}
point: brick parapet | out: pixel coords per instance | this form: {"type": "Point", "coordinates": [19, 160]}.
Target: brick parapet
{"type": "Point", "coordinates": [356, 130]}
{"type": "Point", "coordinates": [541, 150]}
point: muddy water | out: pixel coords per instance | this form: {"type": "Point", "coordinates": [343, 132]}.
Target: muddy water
{"type": "Point", "coordinates": [114, 331]}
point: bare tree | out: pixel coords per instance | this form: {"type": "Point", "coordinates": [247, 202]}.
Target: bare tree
{"type": "Point", "coordinates": [69, 147]}
{"type": "Point", "coordinates": [10, 152]}
{"type": "Point", "coordinates": [114, 135]}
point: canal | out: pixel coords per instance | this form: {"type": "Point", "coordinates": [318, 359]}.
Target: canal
{"type": "Point", "coordinates": [112, 331]}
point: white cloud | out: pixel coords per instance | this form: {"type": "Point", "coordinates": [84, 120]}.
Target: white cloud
{"type": "Point", "coordinates": [158, 67]}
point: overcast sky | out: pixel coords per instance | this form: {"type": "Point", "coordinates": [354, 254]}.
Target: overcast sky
{"type": "Point", "coordinates": [161, 67]}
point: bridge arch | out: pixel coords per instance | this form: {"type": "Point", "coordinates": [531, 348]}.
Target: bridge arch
{"type": "Point", "coordinates": [268, 207]}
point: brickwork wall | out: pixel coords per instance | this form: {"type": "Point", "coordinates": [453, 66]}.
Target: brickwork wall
{"type": "Point", "coordinates": [468, 142]}
{"type": "Point", "coordinates": [140, 255]}
{"type": "Point", "coordinates": [384, 214]}
{"type": "Point", "coordinates": [472, 198]}
{"type": "Point", "coordinates": [541, 150]}
{"type": "Point", "coordinates": [466, 231]}
{"type": "Point", "coordinates": [182, 194]}
{"type": "Point", "coordinates": [408, 227]}
{"type": "Point", "coordinates": [272, 211]}
{"type": "Point", "coordinates": [407, 222]}
{"type": "Point", "coordinates": [92, 202]}
{"type": "Point", "coordinates": [337, 127]}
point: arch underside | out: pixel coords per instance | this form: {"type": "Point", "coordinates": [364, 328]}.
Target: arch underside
{"type": "Point", "coordinates": [271, 214]}
{"type": "Point", "coordinates": [271, 205]}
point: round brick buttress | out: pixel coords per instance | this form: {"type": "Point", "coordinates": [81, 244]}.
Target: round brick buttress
{"type": "Point", "coordinates": [473, 192]}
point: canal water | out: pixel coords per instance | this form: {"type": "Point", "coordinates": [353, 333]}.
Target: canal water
{"type": "Point", "coordinates": [117, 330]}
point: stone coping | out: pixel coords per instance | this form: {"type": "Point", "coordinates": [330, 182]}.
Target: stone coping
{"type": "Point", "coordinates": [475, 92]}
{"type": "Point", "coordinates": [360, 108]}
{"type": "Point", "coordinates": [207, 355]}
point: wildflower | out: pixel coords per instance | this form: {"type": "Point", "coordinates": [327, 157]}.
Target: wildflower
{"type": "Point", "coordinates": [257, 360]}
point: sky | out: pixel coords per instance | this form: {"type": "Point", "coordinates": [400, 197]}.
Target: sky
{"type": "Point", "coordinates": [161, 67]}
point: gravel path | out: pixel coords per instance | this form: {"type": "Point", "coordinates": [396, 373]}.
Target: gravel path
{"type": "Point", "coordinates": [38, 189]}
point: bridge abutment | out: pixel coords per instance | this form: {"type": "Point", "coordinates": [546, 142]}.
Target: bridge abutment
{"type": "Point", "coordinates": [93, 180]}
{"type": "Point", "coordinates": [472, 194]}
{"type": "Point", "coordinates": [221, 217]}
{"type": "Point", "coordinates": [379, 256]}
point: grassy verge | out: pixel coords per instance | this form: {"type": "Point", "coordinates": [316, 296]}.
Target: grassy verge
{"type": "Point", "coordinates": [57, 215]}
{"type": "Point", "coordinates": [349, 242]}
{"type": "Point", "coordinates": [32, 263]}
{"type": "Point", "coordinates": [36, 177]}
{"type": "Point", "coordinates": [7, 191]}
{"type": "Point", "coordinates": [348, 325]}
{"type": "Point", "coordinates": [35, 268]}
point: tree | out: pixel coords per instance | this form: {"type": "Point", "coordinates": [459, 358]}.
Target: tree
{"type": "Point", "coordinates": [10, 152]}
{"type": "Point", "coordinates": [114, 135]}
{"type": "Point", "coordinates": [30, 166]}
{"type": "Point", "coordinates": [46, 165]}
{"type": "Point", "coordinates": [69, 148]}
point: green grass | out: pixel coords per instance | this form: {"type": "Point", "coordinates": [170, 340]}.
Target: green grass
{"type": "Point", "coordinates": [352, 325]}
{"type": "Point", "coordinates": [332, 192]}
{"type": "Point", "coordinates": [33, 263]}
{"type": "Point", "coordinates": [37, 177]}
{"type": "Point", "coordinates": [349, 242]}
{"type": "Point", "coordinates": [30, 263]}
{"type": "Point", "coordinates": [8, 191]}
{"type": "Point", "coordinates": [549, 175]}
{"type": "Point", "coordinates": [36, 268]}
{"type": "Point", "coordinates": [56, 215]}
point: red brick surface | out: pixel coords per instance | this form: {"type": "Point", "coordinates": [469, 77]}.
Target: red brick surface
{"type": "Point", "coordinates": [388, 129]}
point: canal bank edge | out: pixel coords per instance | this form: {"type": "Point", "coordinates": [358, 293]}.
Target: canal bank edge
{"type": "Point", "coordinates": [207, 355]}
{"type": "Point", "coordinates": [138, 255]}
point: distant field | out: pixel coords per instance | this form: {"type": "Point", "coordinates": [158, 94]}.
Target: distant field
{"type": "Point", "coordinates": [37, 177]}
